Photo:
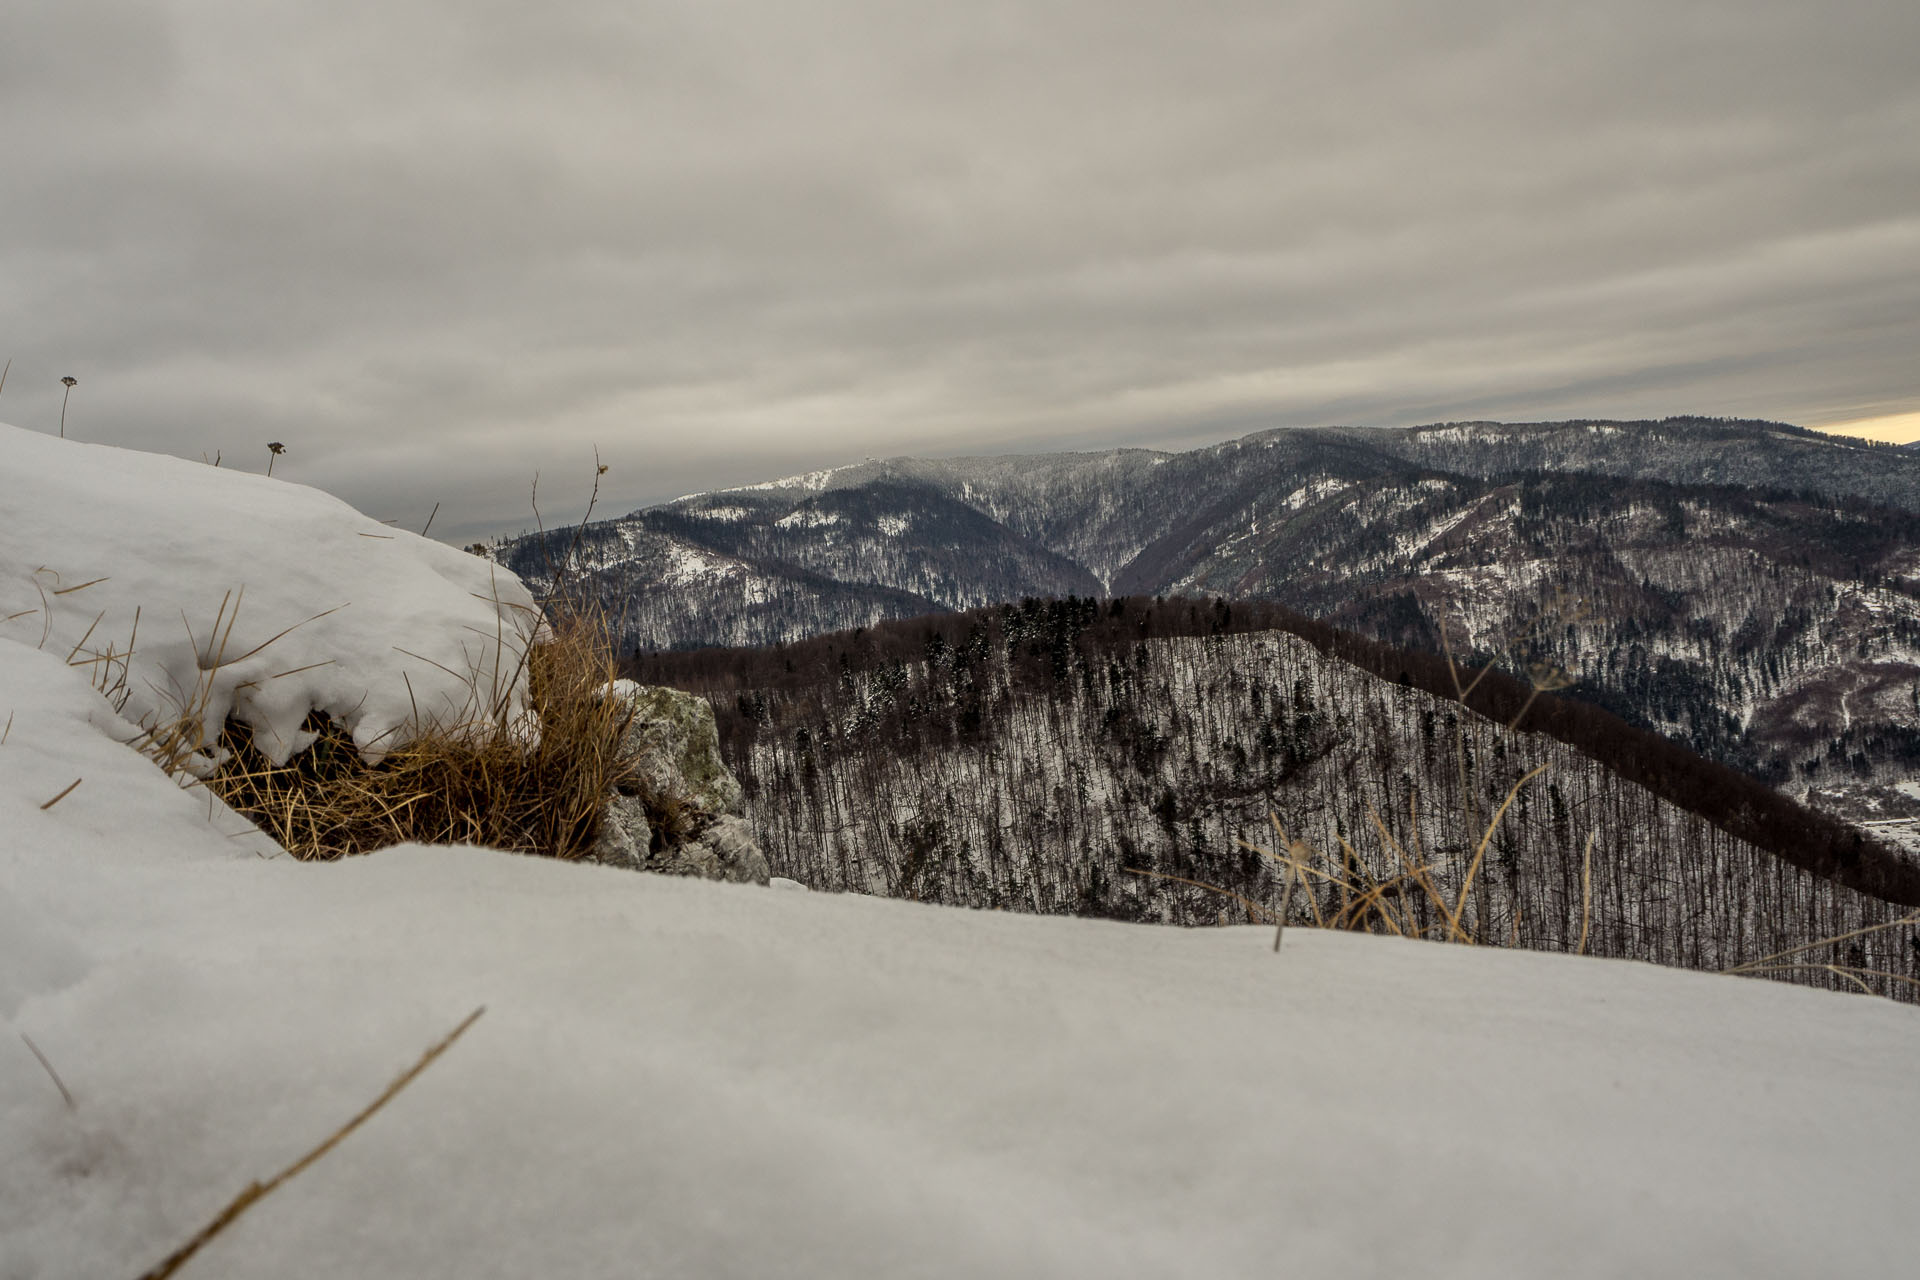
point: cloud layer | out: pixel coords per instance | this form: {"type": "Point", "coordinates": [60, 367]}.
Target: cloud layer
{"type": "Point", "coordinates": [437, 246]}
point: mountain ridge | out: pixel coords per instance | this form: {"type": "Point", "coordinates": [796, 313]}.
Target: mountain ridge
{"type": "Point", "coordinates": [1750, 588]}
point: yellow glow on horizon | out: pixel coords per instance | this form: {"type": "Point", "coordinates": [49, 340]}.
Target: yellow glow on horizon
{"type": "Point", "coordinates": [1895, 428]}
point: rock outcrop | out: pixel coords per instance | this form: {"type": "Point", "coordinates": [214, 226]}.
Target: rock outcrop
{"type": "Point", "coordinates": [678, 809]}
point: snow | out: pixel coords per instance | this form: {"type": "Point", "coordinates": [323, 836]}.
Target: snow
{"type": "Point", "coordinates": [1464, 433]}
{"type": "Point", "coordinates": [721, 515]}
{"type": "Point", "coordinates": [807, 518]}
{"type": "Point", "coordinates": [812, 482]}
{"type": "Point", "coordinates": [894, 526]}
{"type": "Point", "coordinates": [1308, 494]}
{"type": "Point", "coordinates": [677, 1078]}
{"type": "Point", "coordinates": [252, 595]}
{"type": "Point", "coordinates": [688, 564]}
{"type": "Point", "coordinates": [1420, 542]}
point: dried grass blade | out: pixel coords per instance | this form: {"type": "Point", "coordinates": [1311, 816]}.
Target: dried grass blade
{"type": "Point", "coordinates": [1249, 903]}
{"type": "Point", "coordinates": [58, 1083]}
{"type": "Point", "coordinates": [264, 643]}
{"type": "Point", "coordinates": [256, 1191]}
{"type": "Point", "coordinates": [1913, 918]}
{"type": "Point", "coordinates": [1480, 852]}
{"type": "Point", "coordinates": [1586, 893]}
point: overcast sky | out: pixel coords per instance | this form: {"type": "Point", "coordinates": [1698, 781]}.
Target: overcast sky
{"type": "Point", "coordinates": [435, 246]}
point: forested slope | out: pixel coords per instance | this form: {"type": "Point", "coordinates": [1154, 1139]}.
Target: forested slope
{"type": "Point", "coordinates": [1041, 757]}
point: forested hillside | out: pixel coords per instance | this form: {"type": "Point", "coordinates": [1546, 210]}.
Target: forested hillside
{"type": "Point", "coordinates": [1712, 451]}
{"type": "Point", "coordinates": [1080, 757]}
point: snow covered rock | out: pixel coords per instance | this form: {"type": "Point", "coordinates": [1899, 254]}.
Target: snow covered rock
{"type": "Point", "coordinates": [190, 593]}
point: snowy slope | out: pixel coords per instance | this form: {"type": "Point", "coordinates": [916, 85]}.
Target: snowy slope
{"type": "Point", "coordinates": [238, 593]}
{"type": "Point", "coordinates": [676, 1078]}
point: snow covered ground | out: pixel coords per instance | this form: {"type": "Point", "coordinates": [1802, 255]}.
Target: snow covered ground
{"type": "Point", "coordinates": [247, 595]}
{"type": "Point", "coordinates": [676, 1078]}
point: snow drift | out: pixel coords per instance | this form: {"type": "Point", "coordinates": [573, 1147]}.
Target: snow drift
{"type": "Point", "coordinates": [237, 594]}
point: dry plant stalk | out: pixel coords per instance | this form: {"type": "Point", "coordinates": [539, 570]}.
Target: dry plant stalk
{"type": "Point", "coordinates": [1409, 903]}
{"type": "Point", "coordinates": [1586, 892]}
{"type": "Point", "coordinates": [1785, 962]}
{"type": "Point", "coordinates": [58, 1083]}
{"type": "Point", "coordinates": [254, 1192]}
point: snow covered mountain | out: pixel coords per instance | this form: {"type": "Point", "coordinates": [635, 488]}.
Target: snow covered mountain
{"type": "Point", "coordinates": [1749, 588]}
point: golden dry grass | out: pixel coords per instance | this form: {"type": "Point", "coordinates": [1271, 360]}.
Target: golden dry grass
{"type": "Point", "coordinates": [1408, 902]}
{"type": "Point", "coordinates": [479, 783]}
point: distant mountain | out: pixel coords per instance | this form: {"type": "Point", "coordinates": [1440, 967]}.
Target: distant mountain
{"type": "Point", "coordinates": [1750, 588]}
{"type": "Point", "coordinates": [1712, 451]}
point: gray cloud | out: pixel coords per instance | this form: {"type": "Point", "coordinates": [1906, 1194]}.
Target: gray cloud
{"type": "Point", "coordinates": [436, 247]}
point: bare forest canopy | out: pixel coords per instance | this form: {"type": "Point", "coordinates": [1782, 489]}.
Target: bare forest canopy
{"type": "Point", "coordinates": [1044, 641]}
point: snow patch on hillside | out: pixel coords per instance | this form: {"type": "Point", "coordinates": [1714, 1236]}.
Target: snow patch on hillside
{"type": "Point", "coordinates": [807, 518]}
{"type": "Point", "coordinates": [1420, 542]}
{"type": "Point", "coordinates": [1306, 495]}
{"type": "Point", "coordinates": [689, 565]}
{"type": "Point", "coordinates": [811, 481]}
{"type": "Point", "coordinates": [721, 515]}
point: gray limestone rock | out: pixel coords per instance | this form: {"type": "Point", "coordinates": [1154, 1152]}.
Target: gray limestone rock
{"type": "Point", "coordinates": [675, 746]}
{"type": "Point", "coordinates": [725, 850]}
{"type": "Point", "coordinates": [626, 837]}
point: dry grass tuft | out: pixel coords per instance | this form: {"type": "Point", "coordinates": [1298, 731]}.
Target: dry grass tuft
{"type": "Point", "coordinates": [1347, 893]}
{"type": "Point", "coordinates": [481, 783]}
{"type": "Point", "coordinates": [1407, 902]}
